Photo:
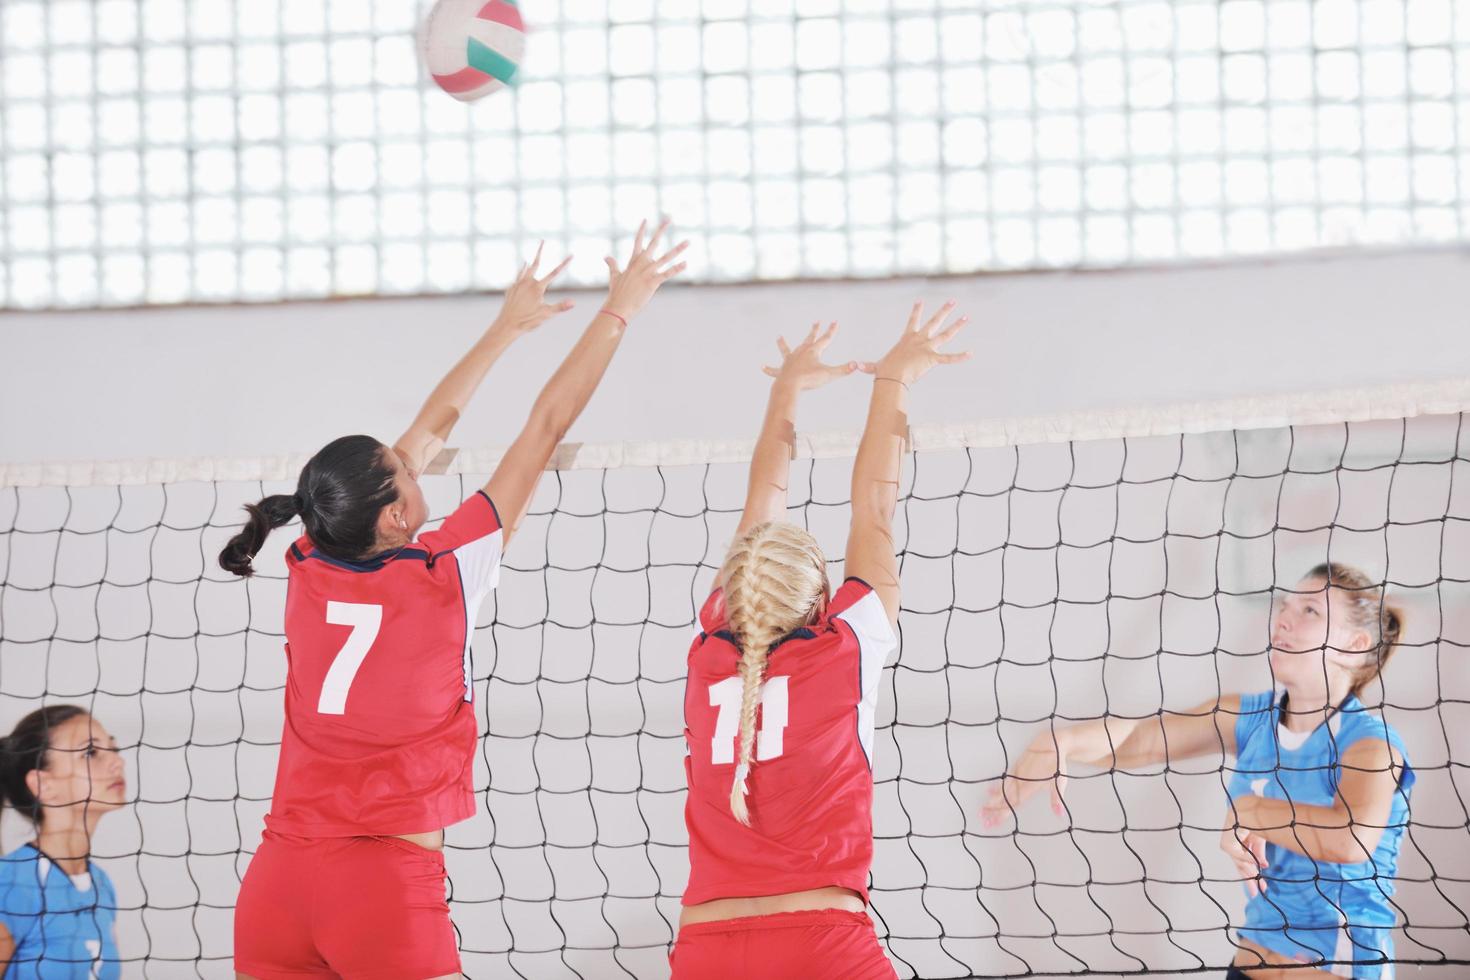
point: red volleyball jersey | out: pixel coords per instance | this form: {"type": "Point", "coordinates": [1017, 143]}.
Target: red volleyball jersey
{"type": "Point", "coordinates": [380, 727]}
{"type": "Point", "coordinates": [810, 788]}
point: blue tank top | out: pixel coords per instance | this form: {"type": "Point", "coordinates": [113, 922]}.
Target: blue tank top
{"type": "Point", "coordinates": [62, 924]}
{"type": "Point", "coordinates": [1316, 911]}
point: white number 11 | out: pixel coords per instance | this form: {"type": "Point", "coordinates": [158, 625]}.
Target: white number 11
{"type": "Point", "coordinates": [770, 741]}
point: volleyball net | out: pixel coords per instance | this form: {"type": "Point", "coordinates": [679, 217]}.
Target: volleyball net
{"type": "Point", "coordinates": [1054, 570]}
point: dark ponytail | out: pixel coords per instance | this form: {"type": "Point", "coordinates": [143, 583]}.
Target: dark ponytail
{"type": "Point", "coordinates": [272, 512]}
{"type": "Point", "coordinates": [339, 495]}
{"type": "Point", "coordinates": [23, 750]}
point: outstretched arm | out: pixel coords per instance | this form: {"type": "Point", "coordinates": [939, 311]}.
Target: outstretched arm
{"type": "Point", "coordinates": [570, 388]}
{"type": "Point", "coordinates": [524, 310]}
{"type": "Point", "coordinates": [770, 467]}
{"type": "Point", "coordinates": [1112, 743]}
{"type": "Point", "coordinates": [870, 547]}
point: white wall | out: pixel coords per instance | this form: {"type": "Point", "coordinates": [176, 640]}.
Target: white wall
{"type": "Point", "coordinates": [285, 379]}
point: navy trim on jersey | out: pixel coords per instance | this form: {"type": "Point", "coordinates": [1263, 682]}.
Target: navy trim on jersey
{"type": "Point", "coordinates": [801, 633]}
{"type": "Point", "coordinates": [860, 581]}
{"type": "Point", "coordinates": [297, 552]}
{"type": "Point", "coordinates": [469, 635]}
{"type": "Point", "coordinates": [493, 509]}
{"type": "Point", "coordinates": [374, 563]}
{"type": "Point", "coordinates": [857, 708]}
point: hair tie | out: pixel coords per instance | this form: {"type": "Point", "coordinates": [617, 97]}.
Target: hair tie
{"type": "Point", "coordinates": [302, 502]}
{"type": "Point", "coordinates": [741, 771]}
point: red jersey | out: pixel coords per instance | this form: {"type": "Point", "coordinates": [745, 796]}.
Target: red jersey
{"type": "Point", "coordinates": [380, 727]}
{"type": "Point", "coordinates": [810, 789]}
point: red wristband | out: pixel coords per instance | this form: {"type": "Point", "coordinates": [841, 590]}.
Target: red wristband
{"type": "Point", "coordinates": [616, 316]}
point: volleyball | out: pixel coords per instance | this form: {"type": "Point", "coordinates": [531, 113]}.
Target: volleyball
{"type": "Point", "coordinates": [472, 48]}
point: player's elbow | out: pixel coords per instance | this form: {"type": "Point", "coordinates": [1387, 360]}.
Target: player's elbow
{"type": "Point", "coordinates": [1352, 844]}
{"type": "Point", "coordinates": [873, 500]}
{"type": "Point", "coordinates": [549, 421]}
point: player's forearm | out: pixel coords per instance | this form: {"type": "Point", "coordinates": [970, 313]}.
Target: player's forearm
{"type": "Point", "coordinates": [7, 950]}
{"type": "Point", "coordinates": [1110, 743]}
{"type": "Point", "coordinates": [571, 387]}
{"type": "Point", "coordinates": [441, 411]}
{"type": "Point", "coordinates": [875, 472]}
{"type": "Point", "coordinates": [770, 467]}
{"type": "Point", "coordinates": [1322, 833]}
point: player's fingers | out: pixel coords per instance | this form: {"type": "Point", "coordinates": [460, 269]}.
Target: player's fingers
{"type": "Point", "coordinates": [552, 309]}
{"type": "Point", "coordinates": [914, 315]}
{"type": "Point", "coordinates": [666, 276]}
{"type": "Point", "coordinates": [868, 367]}
{"type": "Point", "coordinates": [671, 253]}
{"type": "Point", "coordinates": [1059, 794]}
{"type": "Point", "coordinates": [783, 347]}
{"type": "Point", "coordinates": [536, 259]}
{"type": "Point", "coordinates": [638, 238]}
{"type": "Point", "coordinates": [948, 333]}
{"type": "Point", "coordinates": [551, 276]}
{"type": "Point", "coordinates": [767, 369]}
{"type": "Point", "coordinates": [658, 233]}
{"type": "Point", "coordinates": [825, 337]}
{"type": "Point", "coordinates": [612, 265]}
{"type": "Point", "coordinates": [953, 358]}
{"type": "Point", "coordinates": [938, 317]}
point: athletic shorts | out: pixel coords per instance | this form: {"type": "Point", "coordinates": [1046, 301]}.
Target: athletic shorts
{"type": "Point", "coordinates": [360, 908]}
{"type": "Point", "coordinates": [826, 944]}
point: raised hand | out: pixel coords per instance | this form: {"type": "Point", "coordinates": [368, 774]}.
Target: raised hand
{"type": "Point", "coordinates": [802, 367]}
{"type": "Point", "coordinates": [630, 288]}
{"type": "Point", "coordinates": [1040, 766]}
{"type": "Point", "coordinates": [918, 349]}
{"type": "Point", "coordinates": [525, 306]}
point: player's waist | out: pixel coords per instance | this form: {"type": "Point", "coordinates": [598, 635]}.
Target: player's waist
{"type": "Point", "coordinates": [1310, 908]}
{"type": "Point", "coordinates": [808, 900]}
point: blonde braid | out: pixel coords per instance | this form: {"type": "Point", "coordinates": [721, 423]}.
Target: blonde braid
{"type": "Point", "coordinates": [774, 577]}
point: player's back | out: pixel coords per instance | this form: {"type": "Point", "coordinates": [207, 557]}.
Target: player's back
{"type": "Point", "coordinates": [380, 728]}
{"type": "Point", "coordinates": [810, 790]}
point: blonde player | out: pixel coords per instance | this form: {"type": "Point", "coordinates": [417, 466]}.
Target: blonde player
{"type": "Point", "coordinates": [779, 705]}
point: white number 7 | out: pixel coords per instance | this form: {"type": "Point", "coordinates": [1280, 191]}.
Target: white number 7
{"type": "Point", "coordinates": [770, 741]}
{"type": "Point", "coordinates": [365, 621]}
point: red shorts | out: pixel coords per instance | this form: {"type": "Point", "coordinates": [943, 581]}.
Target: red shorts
{"type": "Point", "coordinates": [825, 944]}
{"type": "Point", "coordinates": [361, 908]}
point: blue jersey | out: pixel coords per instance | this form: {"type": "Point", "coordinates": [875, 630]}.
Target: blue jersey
{"type": "Point", "coordinates": [62, 925]}
{"type": "Point", "coordinates": [1318, 911]}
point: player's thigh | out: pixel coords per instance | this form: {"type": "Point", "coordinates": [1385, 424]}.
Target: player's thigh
{"type": "Point", "coordinates": [384, 915]}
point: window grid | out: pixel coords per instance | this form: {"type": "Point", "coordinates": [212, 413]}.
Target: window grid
{"type": "Point", "coordinates": [157, 151]}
